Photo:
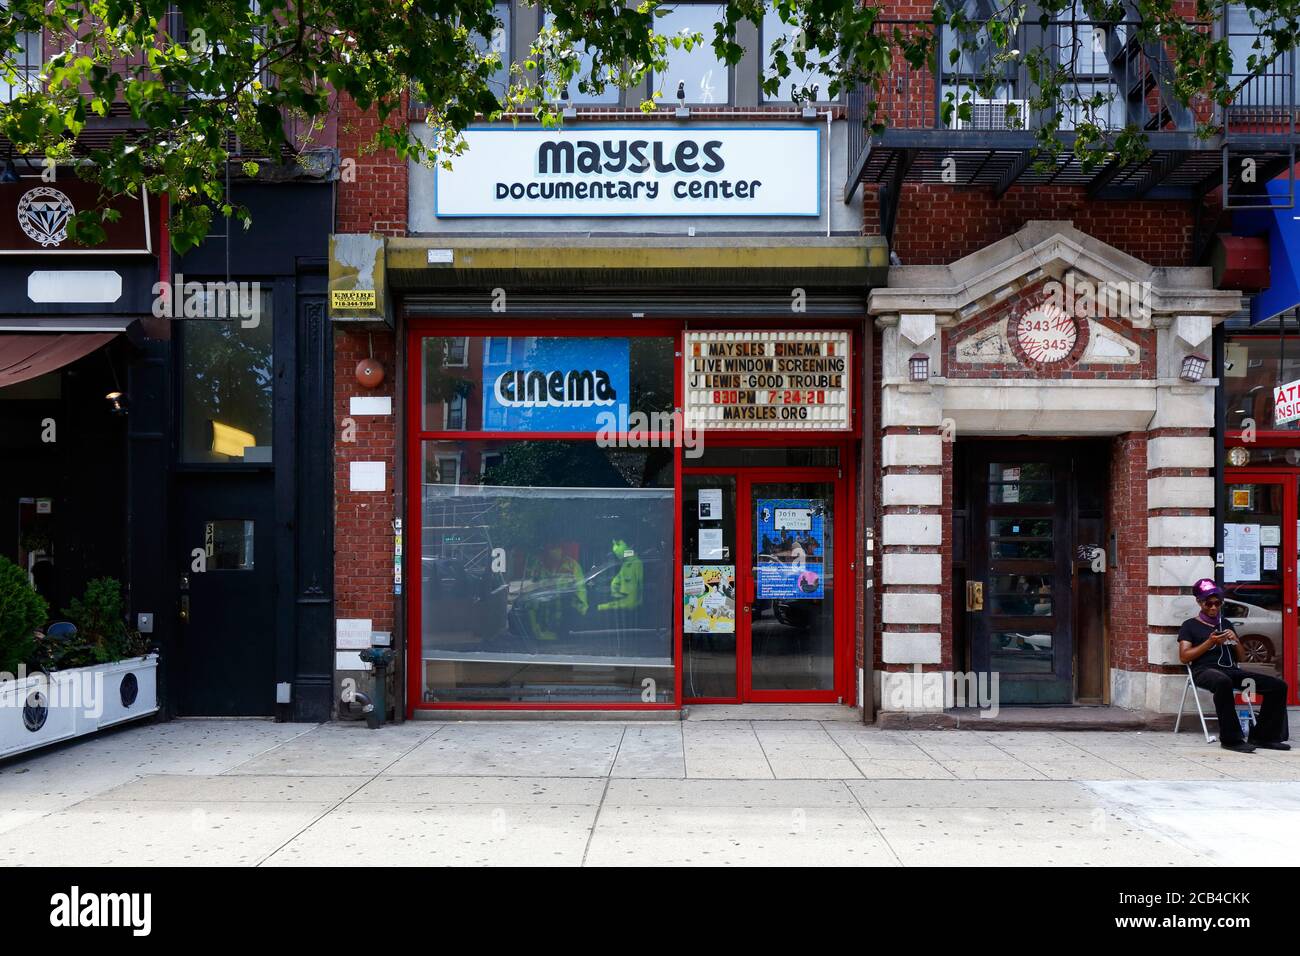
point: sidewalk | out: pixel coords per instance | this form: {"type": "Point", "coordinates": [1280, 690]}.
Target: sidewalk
{"type": "Point", "coordinates": [720, 791]}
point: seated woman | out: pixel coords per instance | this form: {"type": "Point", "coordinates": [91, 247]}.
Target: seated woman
{"type": "Point", "coordinates": [1210, 646]}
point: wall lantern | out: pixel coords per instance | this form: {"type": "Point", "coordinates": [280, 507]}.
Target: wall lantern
{"type": "Point", "coordinates": [1193, 367]}
{"type": "Point", "coordinates": [919, 367]}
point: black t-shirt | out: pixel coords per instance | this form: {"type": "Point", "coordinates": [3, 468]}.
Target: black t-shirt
{"type": "Point", "coordinates": [1195, 631]}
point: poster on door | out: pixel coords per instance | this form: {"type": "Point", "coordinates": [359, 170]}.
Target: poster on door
{"type": "Point", "coordinates": [1241, 552]}
{"type": "Point", "coordinates": [709, 599]}
{"type": "Point", "coordinates": [790, 553]}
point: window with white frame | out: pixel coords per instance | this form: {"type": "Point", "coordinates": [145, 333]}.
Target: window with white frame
{"type": "Point", "coordinates": [1259, 78]}
{"type": "Point", "coordinates": [1090, 95]}
{"type": "Point", "coordinates": [964, 58]}
{"type": "Point", "coordinates": [454, 414]}
{"type": "Point", "coordinates": [609, 96]}
{"type": "Point", "coordinates": [457, 352]}
{"type": "Point", "coordinates": [448, 469]}
{"type": "Point", "coordinates": [811, 84]}
{"type": "Point", "coordinates": [699, 73]}
{"type": "Point", "coordinates": [22, 66]}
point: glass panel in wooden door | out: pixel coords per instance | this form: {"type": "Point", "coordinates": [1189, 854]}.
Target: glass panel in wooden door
{"type": "Point", "coordinates": [792, 616]}
{"type": "Point", "coordinates": [1021, 559]}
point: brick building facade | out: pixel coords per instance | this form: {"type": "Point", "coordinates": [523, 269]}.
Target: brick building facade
{"type": "Point", "coordinates": [1103, 424]}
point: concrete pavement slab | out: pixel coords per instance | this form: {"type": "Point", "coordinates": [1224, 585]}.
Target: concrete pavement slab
{"type": "Point", "coordinates": [736, 836]}
{"type": "Point", "coordinates": [365, 834]}
{"type": "Point", "coordinates": [1023, 836]}
{"type": "Point", "coordinates": [483, 791]}
{"type": "Point", "coordinates": [516, 748]}
{"type": "Point", "coordinates": [651, 750]}
{"type": "Point", "coordinates": [161, 833]}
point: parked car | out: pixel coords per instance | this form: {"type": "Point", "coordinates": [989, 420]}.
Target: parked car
{"type": "Point", "coordinates": [1259, 628]}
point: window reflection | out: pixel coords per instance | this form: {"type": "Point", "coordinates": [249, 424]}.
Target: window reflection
{"type": "Point", "coordinates": [703, 76]}
{"type": "Point", "coordinates": [546, 573]}
{"type": "Point", "coordinates": [226, 402]}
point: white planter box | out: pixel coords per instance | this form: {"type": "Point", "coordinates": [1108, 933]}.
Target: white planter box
{"type": "Point", "coordinates": [76, 701]}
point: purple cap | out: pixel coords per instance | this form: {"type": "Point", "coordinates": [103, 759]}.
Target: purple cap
{"type": "Point", "coordinates": [1206, 587]}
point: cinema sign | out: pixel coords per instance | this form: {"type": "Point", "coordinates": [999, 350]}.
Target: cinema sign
{"type": "Point", "coordinates": [634, 171]}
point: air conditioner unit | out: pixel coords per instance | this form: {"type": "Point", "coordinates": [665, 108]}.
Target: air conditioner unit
{"type": "Point", "coordinates": [993, 115]}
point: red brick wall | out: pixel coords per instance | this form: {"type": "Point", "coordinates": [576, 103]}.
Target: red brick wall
{"type": "Point", "coordinates": [939, 224]}
{"type": "Point", "coordinates": [1126, 583]}
{"type": "Point", "coordinates": [372, 197]}
{"type": "Point", "coordinates": [372, 191]}
{"type": "Point", "coordinates": [363, 520]}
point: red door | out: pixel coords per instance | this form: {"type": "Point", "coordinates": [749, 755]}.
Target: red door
{"type": "Point", "coordinates": [1260, 557]}
{"type": "Point", "coordinates": [767, 594]}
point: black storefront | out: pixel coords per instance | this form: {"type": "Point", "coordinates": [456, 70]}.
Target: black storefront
{"type": "Point", "coordinates": [189, 398]}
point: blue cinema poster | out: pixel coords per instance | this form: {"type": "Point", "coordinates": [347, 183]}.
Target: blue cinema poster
{"type": "Point", "coordinates": [553, 384]}
{"type": "Point", "coordinates": [790, 539]}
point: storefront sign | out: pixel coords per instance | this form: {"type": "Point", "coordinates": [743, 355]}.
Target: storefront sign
{"type": "Point", "coordinates": [554, 384]}
{"type": "Point", "coordinates": [768, 380]}
{"type": "Point", "coordinates": [1286, 403]}
{"type": "Point", "coordinates": [790, 536]}
{"type": "Point", "coordinates": [35, 215]}
{"type": "Point", "coordinates": [634, 171]}
{"type": "Point", "coordinates": [352, 299]}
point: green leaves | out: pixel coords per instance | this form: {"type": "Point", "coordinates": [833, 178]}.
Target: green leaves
{"type": "Point", "coordinates": [198, 76]}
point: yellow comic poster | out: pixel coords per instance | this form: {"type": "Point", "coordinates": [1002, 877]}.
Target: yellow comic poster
{"type": "Point", "coordinates": [709, 595]}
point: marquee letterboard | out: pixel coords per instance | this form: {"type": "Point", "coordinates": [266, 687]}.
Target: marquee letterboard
{"type": "Point", "coordinates": [768, 381]}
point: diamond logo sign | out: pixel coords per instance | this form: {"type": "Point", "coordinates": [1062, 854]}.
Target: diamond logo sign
{"type": "Point", "coordinates": [43, 214]}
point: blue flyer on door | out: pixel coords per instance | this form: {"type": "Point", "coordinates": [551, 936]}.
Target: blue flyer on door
{"type": "Point", "coordinates": [790, 540]}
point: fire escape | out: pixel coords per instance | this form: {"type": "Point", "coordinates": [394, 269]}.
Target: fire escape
{"type": "Point", "coordinates": [991, 144]}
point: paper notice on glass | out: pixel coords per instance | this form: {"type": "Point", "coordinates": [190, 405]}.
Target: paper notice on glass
{"type": "Point", "coordinates": [1240, 552]}
{"type": "Point", "coordinates": [710, 504]}
{"type": "Point", "coordinates": [711, 544]}
{"type": "Point", "coordinates": [1270, 559]}
{"type": "Point", "coordinates": [1270, 535]}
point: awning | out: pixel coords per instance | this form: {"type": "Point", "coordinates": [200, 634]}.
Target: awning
{"type": "Point", "coordinates": [28, 356]}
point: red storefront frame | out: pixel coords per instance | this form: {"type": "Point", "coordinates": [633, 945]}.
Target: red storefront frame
{"type": "Point", "coordinates": [845, 442]}
{"type": "Point", "coordinates": [1288, 478]}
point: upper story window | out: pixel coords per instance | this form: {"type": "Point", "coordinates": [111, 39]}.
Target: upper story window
{"type": "Point", "coordinates": [1276, 83]}
{"type": "Point", "coordinates": [611, 95]}
{"type": "Point", "coordinates": [1082, 48]}
{"type": "Point", "coordinates": [811, 84]}
{"type": "Point", "coordinates": [965, 57]}
{"type": "Point", "coordinates": [705, 79]}
{"type": "Point", "coordinates": [498, 45]}
{"type": "Point", "coordinates": [26, 66]}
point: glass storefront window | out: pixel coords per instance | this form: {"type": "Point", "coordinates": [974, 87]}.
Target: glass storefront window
{"type": "Point", "coordinates": [226, 390]}
{"type": "Point", "coordinates": [544, 384]}
{"type": "Point", "coordinates": [546, 573]}
{"type": "Point", "coordinates": [1252, 367]}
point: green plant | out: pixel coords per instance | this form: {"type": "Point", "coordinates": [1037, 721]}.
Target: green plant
{"type": "Point", "coordinates": [22, 611]}
{"type": "Point", "coordinates": [102, 632]}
